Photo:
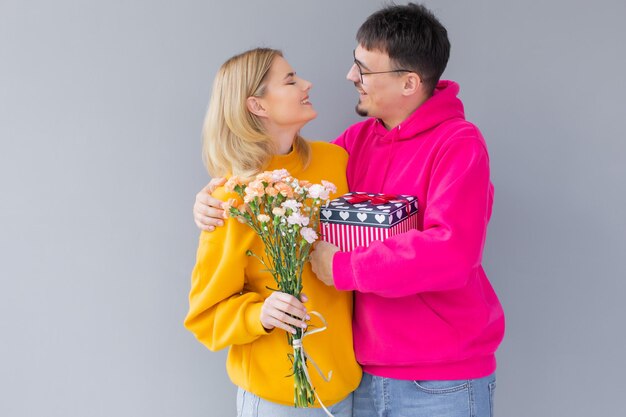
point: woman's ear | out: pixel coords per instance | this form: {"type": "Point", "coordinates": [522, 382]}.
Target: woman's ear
{"type": "Point", "coordinates": [255, 107]}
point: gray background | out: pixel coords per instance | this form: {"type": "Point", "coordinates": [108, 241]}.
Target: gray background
{"type": "Point", "coordinates": [101, 104]}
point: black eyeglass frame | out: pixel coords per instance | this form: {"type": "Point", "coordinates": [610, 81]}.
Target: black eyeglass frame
{"type": "Point", "coordinates": [361, 73]}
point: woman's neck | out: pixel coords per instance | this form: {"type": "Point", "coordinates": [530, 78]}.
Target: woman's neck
{"type": "Point", "coordinates": [283, 138]}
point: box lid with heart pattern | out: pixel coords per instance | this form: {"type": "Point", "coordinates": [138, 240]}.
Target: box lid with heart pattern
{"type": "Point", "coordinates": [367, 209]}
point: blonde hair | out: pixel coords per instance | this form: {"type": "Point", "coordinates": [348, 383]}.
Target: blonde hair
{"type": "Point", "coordinates": [234, 139]}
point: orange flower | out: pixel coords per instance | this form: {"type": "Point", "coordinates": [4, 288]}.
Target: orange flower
{"type": "Point", "coordinates": [233, 182]}
{"type": "Point", "coordinates": [253, 190]}
{"type": "Point", "coordinates": [265, 177]}
{"type": "Point", "coordinates": [284, 189]}
{"type": "Point", "coordinates": [271, 191]}
{"type": "Point", "coordinates": [226, 206]}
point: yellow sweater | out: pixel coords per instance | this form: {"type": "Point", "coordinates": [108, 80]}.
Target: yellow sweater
{"type": "Point", "coordinates": [228, 289]}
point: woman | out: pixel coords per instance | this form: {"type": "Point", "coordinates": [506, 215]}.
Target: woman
{"type": "Point", "coordinates": [257, 109]}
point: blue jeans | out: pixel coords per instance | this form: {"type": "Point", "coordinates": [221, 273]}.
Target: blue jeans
{"type": "Point", "coordinates": [386, 397]}
{"type": "Point", "coordinates": [250, 405]}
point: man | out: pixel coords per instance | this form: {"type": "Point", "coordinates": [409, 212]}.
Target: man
{"type": "Point", "coordinates": [426, 322]}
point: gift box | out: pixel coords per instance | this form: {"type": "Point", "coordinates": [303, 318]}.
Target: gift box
{"type": "Point", "coordinates": [356, 219]}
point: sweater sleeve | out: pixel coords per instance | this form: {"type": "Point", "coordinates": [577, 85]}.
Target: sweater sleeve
{"type": "Point", "coordinates": [221, 312]}
{"type": "Point", "coordinates": [448, 250]}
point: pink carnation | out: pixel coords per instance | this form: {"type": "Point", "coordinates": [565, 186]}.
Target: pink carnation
{"type": "Point", "coordinates": [291, 204]}
{"type": "Point", "coordinates": [299, 219]}
{"type": "Point", "coordinates": [308, 234]}
{"type": "Point", "coordinates": [329, 186]}
{"type": "Point", "coordinates": [279, 174]}
{"type": "Point", "coordinates": [317, 191]}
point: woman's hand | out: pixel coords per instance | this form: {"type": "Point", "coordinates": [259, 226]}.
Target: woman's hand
{"type": "Point", "coordinates": [207, 211]}
{"type": "Point", "coordinates": [284, 311]}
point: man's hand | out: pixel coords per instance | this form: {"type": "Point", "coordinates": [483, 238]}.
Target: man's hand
{"type": "Point", "coordinates": [322, 261]}
{"type": "Point", "coordinates": [207, 211]}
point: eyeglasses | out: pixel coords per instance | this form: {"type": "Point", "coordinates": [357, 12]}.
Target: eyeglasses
{"type": "Point", "coordinates": [361, 73]}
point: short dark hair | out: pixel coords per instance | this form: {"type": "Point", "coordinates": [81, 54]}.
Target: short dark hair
{"type": "Point", "coordinates": [412, 37]}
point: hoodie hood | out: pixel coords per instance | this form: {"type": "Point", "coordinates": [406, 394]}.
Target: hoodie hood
{"type": "Point", "coordinates": [441, 106]}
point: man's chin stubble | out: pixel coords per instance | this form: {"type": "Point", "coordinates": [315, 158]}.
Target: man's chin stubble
{"type": "Point", "coordinates": [360, 112]}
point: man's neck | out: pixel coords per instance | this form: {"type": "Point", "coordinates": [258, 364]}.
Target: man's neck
{"type": "Point", "coordinates": [402, 114]}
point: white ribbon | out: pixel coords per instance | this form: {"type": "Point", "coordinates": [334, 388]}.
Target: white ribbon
{"type": "Point", "coordinates": [297, 345]}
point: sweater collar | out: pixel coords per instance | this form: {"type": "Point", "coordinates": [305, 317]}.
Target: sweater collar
{"type": "Point", "coordinates": [291, 162]}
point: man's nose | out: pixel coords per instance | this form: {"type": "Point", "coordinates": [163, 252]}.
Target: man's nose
{"type": "Point", "coordinates": [353, 74]}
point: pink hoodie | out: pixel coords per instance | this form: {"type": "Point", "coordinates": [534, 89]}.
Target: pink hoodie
{"type": "Point", "coordinates": [424, 308]}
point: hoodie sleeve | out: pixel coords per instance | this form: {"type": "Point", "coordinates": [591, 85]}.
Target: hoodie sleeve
{"type": "Point", "coordinates": [341, 141]}
{"type": "Point", "coordinates": [449, 248]}
{"type": "Point", "coordinates": [221, 313]}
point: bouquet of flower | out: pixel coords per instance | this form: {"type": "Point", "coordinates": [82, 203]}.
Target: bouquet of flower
{"type": "Point", "coordinates": [284, 212]}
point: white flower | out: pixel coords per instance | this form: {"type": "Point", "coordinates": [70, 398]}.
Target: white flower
{"type": "Point", "coordinates": [317, 191]}
{"type": "Point", "coordinates": [263, 218]}
{"type": "Point", "coordinates": [277, 211]}
{"type": "Point", "coordinates": [291, 204]}
{"type": "Point", "coordinates": [299, 219]}
{"type": "Point", "coordinates": [308, 234]}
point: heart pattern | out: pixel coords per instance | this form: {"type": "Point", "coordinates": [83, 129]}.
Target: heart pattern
{"type": "Point", "coordinates": [339, 210]}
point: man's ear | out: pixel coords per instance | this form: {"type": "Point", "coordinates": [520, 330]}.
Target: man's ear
{"type": "Point", "coordinates": [255, 107]}
{"type": "Point", "coordinates": [412, 84]}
